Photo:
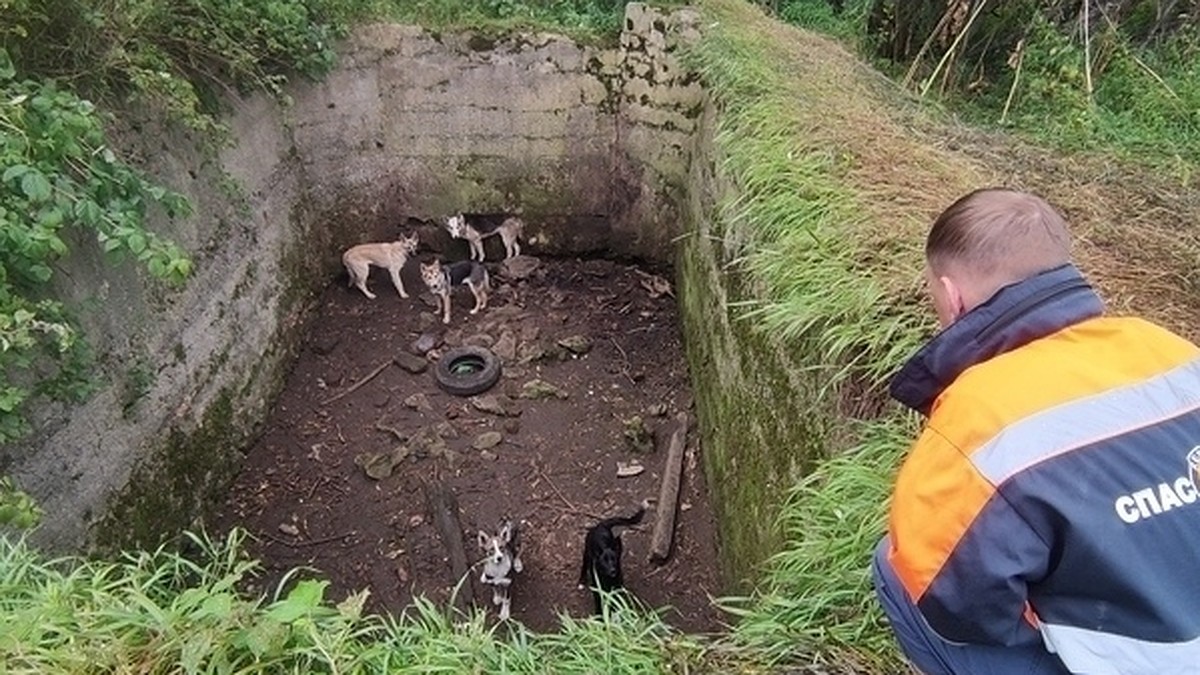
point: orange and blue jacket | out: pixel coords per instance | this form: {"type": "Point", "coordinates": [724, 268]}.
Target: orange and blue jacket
{"type": "Point", "coordinates": [1053, 492]}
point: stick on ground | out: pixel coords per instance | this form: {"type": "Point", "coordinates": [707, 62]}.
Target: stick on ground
{"type": "Point", "coordinates": [443, 508]}
{"type": "Point", "coordinates": [354, 387]}
{"type": "Point", "coordinates": [668, 494]}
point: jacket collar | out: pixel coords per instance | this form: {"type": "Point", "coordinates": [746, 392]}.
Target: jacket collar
{"type": "Point", "coordinates": [1016, 315]}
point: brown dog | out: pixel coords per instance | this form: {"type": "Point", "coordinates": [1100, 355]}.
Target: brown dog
{"type": "Point", "coordinates": [389, 255]}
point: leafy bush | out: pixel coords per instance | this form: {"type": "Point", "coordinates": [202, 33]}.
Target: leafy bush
{"type": "Point", "coordinates": [58, 170]}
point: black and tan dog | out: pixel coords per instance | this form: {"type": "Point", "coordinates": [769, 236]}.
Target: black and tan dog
{"type": "Point", "coordinates": [502, 561]}
{"type": "Point", "coordinates": [441, 279]}
{"type": "Point", "coordinates": [477, 227]}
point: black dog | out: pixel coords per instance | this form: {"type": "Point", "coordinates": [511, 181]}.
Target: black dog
{"type": "Point", "coordinates": [602, 556]}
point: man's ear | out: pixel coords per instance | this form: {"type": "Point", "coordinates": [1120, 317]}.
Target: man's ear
{"type": "Point", "coordinates": [950, 301]}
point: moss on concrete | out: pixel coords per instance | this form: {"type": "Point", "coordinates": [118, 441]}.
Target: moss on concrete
{"type": "Point", "coordinates": [174, 483]}
{"type": "Point", "coordinates": [763, 421]}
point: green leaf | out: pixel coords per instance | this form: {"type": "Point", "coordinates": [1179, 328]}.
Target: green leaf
{"type": "Point", "coordinates": [40, 272]}
{"type": "Point", "coordinates": [35, 186]}
{"type": "Point", "coordinates": [88, 212]}
{"type": "Point", "coordinates": [10, 398]}
{"type": "Point", "coordinates": [7, 70]}
{"type": "Point", "coordinates": [136, 241]}
{"type": "Point", "coordinates": [15, 171]}
{"type": "Point", "coordinates": [300, 602]}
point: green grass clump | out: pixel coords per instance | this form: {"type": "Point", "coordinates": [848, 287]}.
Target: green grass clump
{"type": "Point", "coordinates": [817, 595]}
{"type": "Point", "coordinates": [592, 21]}
{"type": "Point", "coordinates": [163, 612]}
{"type": "Point", "coordinates": [796, 217]}
{"type": "Point", "coordinates": [820, 281]}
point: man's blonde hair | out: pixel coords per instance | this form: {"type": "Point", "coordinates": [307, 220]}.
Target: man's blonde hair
{"type": "Point", "coordinates": [998, 236]}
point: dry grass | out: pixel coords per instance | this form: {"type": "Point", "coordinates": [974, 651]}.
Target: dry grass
{"type": "Point", "coordinates": [1138, 235]}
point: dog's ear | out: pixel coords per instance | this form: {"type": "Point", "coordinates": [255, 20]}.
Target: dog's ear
{"type": "Point", "coordinates": [506, 532]}
{"type": "Point", "coordinates": [482, 538]}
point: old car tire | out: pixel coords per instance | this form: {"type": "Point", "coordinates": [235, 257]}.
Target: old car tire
{"type": "Point", "coordinates": [466, 371]}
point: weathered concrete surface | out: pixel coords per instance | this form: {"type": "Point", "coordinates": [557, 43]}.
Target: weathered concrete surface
{"type": "Point", "coordinates": [761, 413]}
{"type": "Point", "coordinates": [591, 145]}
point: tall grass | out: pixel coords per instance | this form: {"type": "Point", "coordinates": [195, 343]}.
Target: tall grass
{"type": "Point", "coordinates": [817, 593]}
{"type": "Point", "coordinates": [798, 221]}
{"type": "Point", "coordinates": [163, 612]}
{"type": "Point", "coordinates": [812, 252]}
{"type": "Point", "coordinates": [584, 20]}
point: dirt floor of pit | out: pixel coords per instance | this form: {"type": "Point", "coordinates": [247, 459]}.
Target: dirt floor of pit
{"type": "Point", "coordinates": [337, 481]}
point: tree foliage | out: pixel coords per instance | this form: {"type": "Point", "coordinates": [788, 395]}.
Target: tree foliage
{"type": "Point", "coordinates": [62, 65]}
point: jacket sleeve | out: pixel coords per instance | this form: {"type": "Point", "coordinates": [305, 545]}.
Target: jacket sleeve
{"type": "Point", "coordinates": [963, 554]}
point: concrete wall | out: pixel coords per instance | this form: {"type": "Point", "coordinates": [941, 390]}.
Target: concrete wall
{"type": "Point", "coordinates": [761, 412]}
{"type": "Point", "coordinates": [590, 144]}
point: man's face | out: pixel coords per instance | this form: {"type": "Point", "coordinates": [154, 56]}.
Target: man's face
{"type": "Point", "coordinates": [946, 300]}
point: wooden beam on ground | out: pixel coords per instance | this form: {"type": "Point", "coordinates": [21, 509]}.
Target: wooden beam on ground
{"type": "Point", "coordinates": [663, 538]}
{"type": "Point", "coordinates": [443, 509]}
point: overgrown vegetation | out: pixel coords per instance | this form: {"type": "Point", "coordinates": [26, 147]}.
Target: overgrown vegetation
{"type": "Point", "coordinates": [1121, 77]}
{"type": "Point", "coordinates": [162, 612]}
{"type": "Point", "coordinates": [587, 20]}
{"type": "Point", "coordinates": [58, 169]}
{"type": "Point", "coordinates": [826, 242]}
{"type": "Point", "coordinates": [812, 247]}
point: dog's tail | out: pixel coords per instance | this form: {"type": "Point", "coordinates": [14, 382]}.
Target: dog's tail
{"type": "Point", "coordinates": [625, 521]}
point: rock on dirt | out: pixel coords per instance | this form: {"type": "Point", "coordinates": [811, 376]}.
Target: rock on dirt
{"type": "Point", "coordinates": [488, 439]}
{"type": "Point", "coordinates": [540, 389]}
{"type": "Point", "coordinates": [426, 342]}
{"type": "Point", "coordinates": [576, 344]}
{"type": "Point", "coordinates": [410, 363]}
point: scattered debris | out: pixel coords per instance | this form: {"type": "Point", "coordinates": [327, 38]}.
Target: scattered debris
{"type": "Point", "coordinates": [480, 340]}
{"type": "Point", "coordinates": [506, 346]}
{"type": "Point", "coordinates": [627, 469]}
{"type": "Point", "coordinates": [576, 344]}
{"type": "Point", "coordinates": [638, 436]}
{"type": "Point", "coordinates": [488, 439]}
{"type": "Point", "coordinates": [419, 402]}
{"type": "Point", "coordinates": [540, 389]}
{"type": "Point", "coordinates": [400, 437]}
{"type": "Point", "coordinates": [530, 352]}
{"type": "Point", "coordinates": [496, 404]}
{"type": "Point", "coordinates": [520, 267]}
{"type": "Point", "coordinates": [427, 443]}
{"type": "Point", "coordinates": [427, 341]}
{"type": "Point", "coordinates": [354, 387]}
{"type": "Point", "coordinates": [446, 430]}
{"type": "Point", "coordinates": [657, 409]}
{"type": "Point", "coordinates": [379, 465]}
{"type": "Point", "coordinates": [655, 285]}
{"type": "Point", "coordinates": [289, 529]}
{"type": "Point", "coordinates": [410, 363]}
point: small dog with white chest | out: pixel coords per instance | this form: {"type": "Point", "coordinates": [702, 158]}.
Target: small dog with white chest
{"type": "Point", "coordinates": [602, 548]}
{"type": "Point", "coordinates": [477, 227]}
{"type": "Point", "coordinates": [389, 255]}
{"type": "Point", "coordinates": [503, 559]}
{"type": "Point", "coordinates": [440, 279]}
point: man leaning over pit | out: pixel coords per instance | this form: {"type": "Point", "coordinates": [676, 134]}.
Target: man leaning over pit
{"type": "Point", "coordinates": [1046, 520]}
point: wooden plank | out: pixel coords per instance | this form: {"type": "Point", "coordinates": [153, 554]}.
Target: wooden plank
{"type": "Point", "coordinates": [443, 509]}
{"type": "Point", "coordinates": [663, 538]}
